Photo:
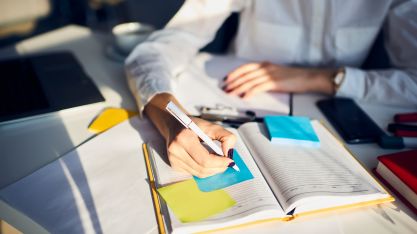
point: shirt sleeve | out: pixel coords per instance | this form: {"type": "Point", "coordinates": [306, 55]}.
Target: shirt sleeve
{"type": "Point", "coordinates": [396, 86]}
{"type": "Point", "coordinates": [153, 63]}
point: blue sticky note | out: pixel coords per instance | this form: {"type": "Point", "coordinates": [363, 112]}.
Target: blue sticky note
{"type": "Point", "coordinates": [295, 130]}
{"type": "Point", "coordinates": [227, 178]}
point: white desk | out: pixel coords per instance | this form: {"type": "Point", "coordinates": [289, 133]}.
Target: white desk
{"type": "Point", "coordinates": [29, 145]}
{"type": "Point", "coordinates": [25, 147]}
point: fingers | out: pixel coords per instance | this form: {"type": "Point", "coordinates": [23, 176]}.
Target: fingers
{"type": "Point", "coordinates": [186, 152]}
{"type": "Point", "coordinates": [248, 76]}
{"type": "Point", "coordinates": [227, 139]}
{"type": "Point", "coordinates": [242, 70]}
{"type": "Point", "coordinates": [245, 87]}
{"type": "Point", "coordinates": [181, 161]}
{"type": "Point", "coordinates": [232, 84]}
{"type": "Point", "coordinates": [228, 143]}
{"type": "Point", "coordinates": [203, 158]}
{"type": "Point", "coordinates": [260, 88]}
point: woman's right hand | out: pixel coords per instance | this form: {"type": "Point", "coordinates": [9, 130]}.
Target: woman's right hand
{"type": "Point", "coordinates": [184, 149]}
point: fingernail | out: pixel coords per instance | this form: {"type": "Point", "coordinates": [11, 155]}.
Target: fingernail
{"type": "Point", "coordinates": [224, 87]}
{"type": "Point", "coordinates": [225, 78]}
{"type": "Point", "coordinates": [230, 154]}
{"type": "Point", "coordinates": [242, 95]}
{"type": "Point", "coordinates": [231, 164]}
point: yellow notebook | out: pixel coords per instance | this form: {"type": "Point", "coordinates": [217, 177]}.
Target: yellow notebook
{"type": "Point", "coordinates": [289, 181]}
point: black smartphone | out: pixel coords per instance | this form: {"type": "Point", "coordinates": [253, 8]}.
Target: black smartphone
{"type": "Point", "coordinates": [352, 123]}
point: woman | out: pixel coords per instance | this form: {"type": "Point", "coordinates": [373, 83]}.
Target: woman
{"type": "Point", "coordinates": [309, 46]}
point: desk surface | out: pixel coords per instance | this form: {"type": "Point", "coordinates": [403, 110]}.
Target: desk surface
{"type": "Point", "coordinates": [27, 146]}
{"type": "Point", "coordinates": [46, 139]}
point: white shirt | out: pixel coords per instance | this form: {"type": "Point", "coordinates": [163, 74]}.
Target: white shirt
{"type": "Point", "coordinates": [310, 33]}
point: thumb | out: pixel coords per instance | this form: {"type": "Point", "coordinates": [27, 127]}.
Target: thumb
{"type": "Point", "coordinates": [228, 145]}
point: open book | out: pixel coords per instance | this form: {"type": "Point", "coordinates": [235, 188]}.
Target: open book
{"type": "Point", "coordinates": [289, 181]}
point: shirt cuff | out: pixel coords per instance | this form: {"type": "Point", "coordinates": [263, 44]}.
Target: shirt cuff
{"type": "Point", "coordinates": [353, 84]}
{"type": "Point", "coordinates": [145, 88]}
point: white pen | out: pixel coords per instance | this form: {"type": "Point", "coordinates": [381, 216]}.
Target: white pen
{"type": "Point", "coordinates": [188, 123]}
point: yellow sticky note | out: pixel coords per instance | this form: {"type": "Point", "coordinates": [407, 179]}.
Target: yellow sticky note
{"type": "Point", "coordinates": [109, 118]}
{"type": "Point", "coordinates": [189, 204]}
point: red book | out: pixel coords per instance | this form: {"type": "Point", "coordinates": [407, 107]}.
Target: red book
{"type": "Point", "coordinates": [399, 172]}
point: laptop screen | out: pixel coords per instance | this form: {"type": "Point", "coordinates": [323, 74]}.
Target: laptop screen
{"type": "Point", "coordinates": [43, 83]}
{"type": "Point", "coordinates": [20, 89]}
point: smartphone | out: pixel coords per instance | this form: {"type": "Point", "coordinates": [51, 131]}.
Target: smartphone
{"type": "Point", "coordinates": [352, 123]}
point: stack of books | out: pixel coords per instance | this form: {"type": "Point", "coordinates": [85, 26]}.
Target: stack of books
{"type": "Point", "coordinates": [399, 172]}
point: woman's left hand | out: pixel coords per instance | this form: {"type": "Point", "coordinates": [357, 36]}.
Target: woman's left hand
{"type": "Point", "coordinates": [253, 78]}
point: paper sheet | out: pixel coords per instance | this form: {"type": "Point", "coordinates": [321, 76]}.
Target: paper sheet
{"type": "Point", "coordinates": [291, 130]}
{"type": "Point", "coordinates": [227, 178]}
{"type": "Point", "coordinates": [108, 118]}
{"type": "Point", "coordinates": [101, 187]}
{"type": "Point", "coordinates": [200, 86]}
{"type": "Point", "coordinates": [189, 204]}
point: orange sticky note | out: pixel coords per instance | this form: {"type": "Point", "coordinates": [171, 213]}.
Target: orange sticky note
{"type": "Point", "coordinates": [109, 118]}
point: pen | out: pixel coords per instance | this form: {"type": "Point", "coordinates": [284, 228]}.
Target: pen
{"type": "Point", "coordinates": [188, 123]}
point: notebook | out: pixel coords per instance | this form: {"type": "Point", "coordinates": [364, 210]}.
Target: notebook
{"type": "Point", "coordinates": [289, 181]}
{"type": "Point", "coordinates": [399, 171]}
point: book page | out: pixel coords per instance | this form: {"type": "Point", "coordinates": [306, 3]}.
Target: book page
{"type": "Point", "coordinates": [200, 85]}
{"type": "Point", "coordinates": [254, 199]}
{"type": "Point", "coordinates": [296, 173]}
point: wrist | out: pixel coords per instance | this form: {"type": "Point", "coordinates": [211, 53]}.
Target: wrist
{"type": "Point", "coordinates": [161, 118]}
{"type": "Point", "coordinates": [323, 81]}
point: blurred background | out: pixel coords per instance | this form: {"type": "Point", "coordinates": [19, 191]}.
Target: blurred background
{"type": "Point", "coordinates": [20, 19]}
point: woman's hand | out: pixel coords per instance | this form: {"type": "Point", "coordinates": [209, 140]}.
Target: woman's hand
{"type": "Point", "coordinates": [185, 151]}
{"type": "Point", "coordinates": [250, 79]}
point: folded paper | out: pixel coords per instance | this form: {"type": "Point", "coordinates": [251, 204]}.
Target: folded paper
{"type": "Point", "coordinates": [109, 118]}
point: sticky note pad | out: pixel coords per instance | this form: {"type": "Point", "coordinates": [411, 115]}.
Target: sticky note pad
{"type": "Point", "coordinates": [189, 204]}
{"type": "Point", "coordinates": [109, 118]}
{"type": "Point", "coordinates": [293, 130]}
{"type": "Point", "coordinates": [227, 178]}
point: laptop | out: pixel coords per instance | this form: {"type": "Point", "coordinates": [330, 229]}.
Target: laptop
{"type": "Point", "coordinates": [41, 84]}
